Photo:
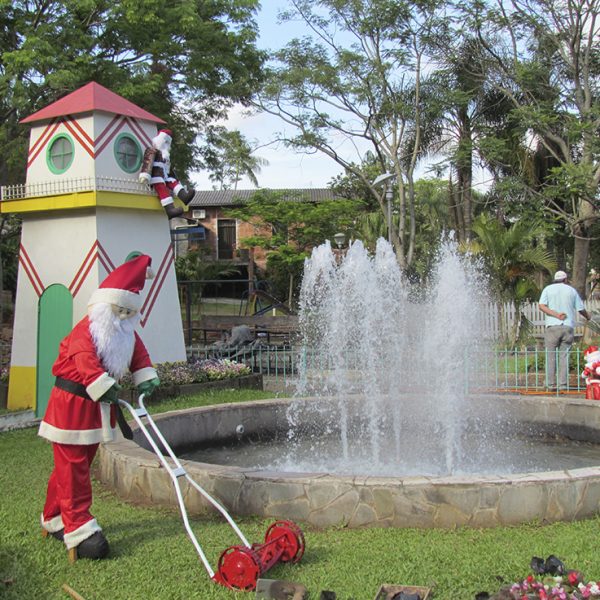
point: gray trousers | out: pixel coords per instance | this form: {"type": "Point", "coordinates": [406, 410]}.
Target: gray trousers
{"type": "Point", "coordinates": [558, 340]}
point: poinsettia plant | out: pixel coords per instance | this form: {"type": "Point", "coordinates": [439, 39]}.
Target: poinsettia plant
{"type": "Point", "coordinates": [555, 587]}
{"type": "Point", "coordinates": [551, 580]}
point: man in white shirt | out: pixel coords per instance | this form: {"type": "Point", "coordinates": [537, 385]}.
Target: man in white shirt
{"type": "Point", "coordinates": [560, 303]}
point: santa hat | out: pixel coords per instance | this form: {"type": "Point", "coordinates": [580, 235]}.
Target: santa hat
{"type": "Point", "coordinates": [122, 286]}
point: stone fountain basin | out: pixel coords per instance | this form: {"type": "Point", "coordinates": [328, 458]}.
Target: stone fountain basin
{"type": "Point", "coordinates": [323, 500]}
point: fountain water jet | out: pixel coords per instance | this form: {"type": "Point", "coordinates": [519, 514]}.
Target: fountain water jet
{"type": "Point", "coordinates": [406, 352]}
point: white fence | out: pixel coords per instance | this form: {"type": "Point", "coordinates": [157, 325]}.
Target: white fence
{"type": "Point", "coordinates": [66, 186]}
{"type": "Point", "coordinates": [500, 318]}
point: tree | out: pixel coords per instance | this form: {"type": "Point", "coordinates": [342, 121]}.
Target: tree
{"type": "Point", "coordinates": [288, 228]}
{"type": "Point", "coordinates": [361, 81]}
{"type": "Point", "coordinates": [186, 62]}
{"type": "Point", "coordinates": [228, 157]}
{"type": "Point", "coordinates": [473, 115]}
{"type": "Point", "coordinates": [513, 258]}
{"type": "Point", "coordinates": [545, 59]}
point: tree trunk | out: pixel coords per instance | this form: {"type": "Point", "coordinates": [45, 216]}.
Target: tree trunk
{"type": "Point", "coordinates": [464, 172]}
{"type": "Point", "coordinates": [581, 250]}
{"type": "Point", "coordinates": [581, 246]}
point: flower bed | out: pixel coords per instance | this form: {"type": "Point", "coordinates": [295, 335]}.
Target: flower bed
{"type": "Point", "coordinates": [550, 580]}
{"type": "Point", "coordinates": [179, 378]}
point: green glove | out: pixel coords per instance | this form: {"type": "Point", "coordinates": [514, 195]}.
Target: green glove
{"type": "Point", "coordinates": [147, 387]}
{"type": "Point", "coordinates": [112, 394]}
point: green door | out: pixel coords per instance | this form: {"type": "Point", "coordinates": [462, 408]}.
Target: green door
{"type": "Point", "coordinates": [55, 321]}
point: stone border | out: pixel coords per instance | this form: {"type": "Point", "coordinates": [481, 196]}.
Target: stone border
{"type": "Point", "coordinates": [324, 500]}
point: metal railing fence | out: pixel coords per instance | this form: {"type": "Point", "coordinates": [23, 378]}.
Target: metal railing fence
{"type": "Point", "coordinates": [500, 369]}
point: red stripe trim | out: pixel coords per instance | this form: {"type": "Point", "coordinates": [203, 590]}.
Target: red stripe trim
{"type": "Point", "coordinates": [107, 129]}
{"type": "Point", "coordinates": [91, 250]}
{"type": "Point", "coordinates": [158, 276]}
{"type": "Point", "coordinates": [135, 126]}
{"type": "Point", "coordinates": [103, 261]}
{"type": "Point", "coordinates": [29, 269]}
{"type": "Point", "coordinates": [32, 149]}
{"type": "Point", "coordinates": [84, 270]}
{"type": "Point", "coordinates": [85, 274]}
{"type": "Point", "coordinates": [81, 130]}
{"type": "Point", "coordinates": [36, 154]}
{"type": "Point", "coordinates": [171, 257]}
{"type": "Point", "coordinates": [81, 142]}
{"type": "Point", "coordinates": [103, 255]}
{"type": "Point", "coordinates": [110, 137]}
{"type": "Point", "coordinates": [30, 276]}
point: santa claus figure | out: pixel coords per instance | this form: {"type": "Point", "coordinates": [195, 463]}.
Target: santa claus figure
{"type": "Point", "coordinates": [156, 171]}
{"type": "Point", "coordinates": [591, 373]}
{"type": "Point", "coordinates": [82, 409]}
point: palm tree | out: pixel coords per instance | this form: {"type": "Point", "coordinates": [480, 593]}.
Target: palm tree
{"type": "Point", "coordinates": [467, 126]}
{"type": "Point", "coordinates": [230, 158]}
{"type": "Point", "coordinates": [513, 259]}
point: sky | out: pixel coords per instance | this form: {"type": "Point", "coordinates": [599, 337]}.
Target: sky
{"type": "Point", "coordinates": [286, 169]}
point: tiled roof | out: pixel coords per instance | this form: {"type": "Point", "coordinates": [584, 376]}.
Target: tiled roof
{"type": "Point", "coordinates": [90, 97]}
{"type": "Point", "coordinates": [234, 197]}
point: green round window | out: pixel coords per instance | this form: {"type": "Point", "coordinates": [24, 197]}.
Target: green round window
{"type": "Point", "coordinates": [128, 153]}
{"type": "Point", "coordinates": [60, 153]}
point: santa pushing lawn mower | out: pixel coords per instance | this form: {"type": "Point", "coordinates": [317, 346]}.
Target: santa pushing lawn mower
{"type": "Point", "coordinates": [84, 407]}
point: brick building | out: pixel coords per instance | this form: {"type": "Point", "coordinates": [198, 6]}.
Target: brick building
{"type": "Point", "coordinates": [207, 226]}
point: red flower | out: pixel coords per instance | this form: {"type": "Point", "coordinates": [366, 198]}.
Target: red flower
{"type": "Point", "coordinates": [574, 577]}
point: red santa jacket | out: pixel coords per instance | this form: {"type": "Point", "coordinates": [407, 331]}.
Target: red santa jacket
{"type": "Point", "coordinates": [72, 419]}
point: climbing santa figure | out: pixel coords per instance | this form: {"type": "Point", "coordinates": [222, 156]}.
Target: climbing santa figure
{"type": "Point", "coordinates": [83, 406]}
{"type": "Point", "coordinates": [156, 172]}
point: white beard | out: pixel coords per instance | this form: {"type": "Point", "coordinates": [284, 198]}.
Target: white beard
{"type": "Point", "coordinates": [163, 145]}
{"type": "Point", "coordinates": [166, 153]}
{"type": "Point", "coordinates": [114, 338]}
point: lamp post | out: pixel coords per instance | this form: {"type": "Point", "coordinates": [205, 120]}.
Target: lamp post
{"type": "Point", "coordinates": [387, 180]}
{"type": "Point", "coordinates": [339, 239]}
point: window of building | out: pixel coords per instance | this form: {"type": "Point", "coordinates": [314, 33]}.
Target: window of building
{"type": "Point", "coordinates": [60, 153]}
{"type": "Point", "coordinates": [185, 238]}
{"type": "Point", "coordinates": [128, 153]}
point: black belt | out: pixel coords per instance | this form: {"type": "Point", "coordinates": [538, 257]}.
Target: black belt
{"type": "Point", "coordinates": [79, 390]}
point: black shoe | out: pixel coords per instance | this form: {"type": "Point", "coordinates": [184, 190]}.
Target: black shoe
{"type": "Point", "coordinates": [173, 211]}
{"type": "Point", "coordinates": [186, 195]}
{"type": "Point", "coordinates": [96, 546]}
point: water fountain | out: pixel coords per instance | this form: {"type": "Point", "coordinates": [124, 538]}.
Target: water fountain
{"type": "Point", "coordinates": [405, 352]}
{"type": "Point", "coordinates": [390, 427]}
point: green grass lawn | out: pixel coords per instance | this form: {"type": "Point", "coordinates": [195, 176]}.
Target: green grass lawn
{"type": "Point", "coordinates": [153, 559]}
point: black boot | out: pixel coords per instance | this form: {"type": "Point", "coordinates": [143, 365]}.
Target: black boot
{"type": "Point", "coordinates": [173, 211]}
{"type": "Point", "coordinates": [186, 195]}
{"type": "Point", "coordinates": [96, 546]}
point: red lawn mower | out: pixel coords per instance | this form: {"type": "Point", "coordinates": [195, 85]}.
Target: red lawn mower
{"type": "Point", "coordinates": [239, 566]}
